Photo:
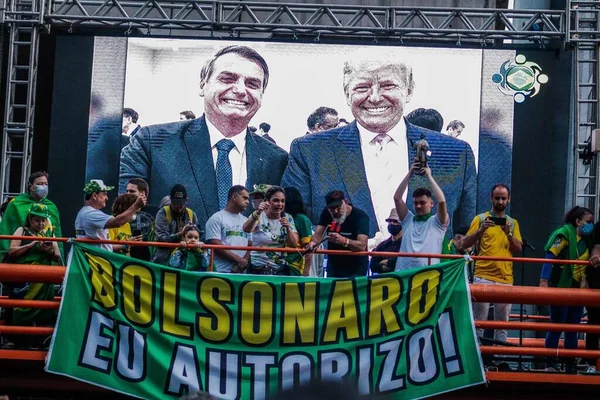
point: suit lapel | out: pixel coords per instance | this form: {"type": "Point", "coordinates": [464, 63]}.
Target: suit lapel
{"type": "Point", "coordinates": [255, 161]}
{"type": "Point", "coordinates": [197, 145]}
{"type": "Point", "coordinates": [350, 164]}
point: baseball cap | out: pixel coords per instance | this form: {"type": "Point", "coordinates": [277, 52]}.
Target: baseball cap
{"type": "Point", "coordinates": [334, 198]}
{"type": "Point", "coordinates": [96, 185]}
{"type": "Point", "coordinates": [39, 210]}
{"type": "Point", "coordinates": [393, 216]}
{"type": "Point", "coordinates": [260, 189]}
{"type": "Point", "coordinates": [178, 194]}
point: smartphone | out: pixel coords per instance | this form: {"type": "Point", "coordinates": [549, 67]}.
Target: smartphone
{"type": "Point", "coordinates": [498, 220]}
{"type": "Point", "coordinates": [136, 232]}
{"type": "Point", "coordinates": [282, 215]}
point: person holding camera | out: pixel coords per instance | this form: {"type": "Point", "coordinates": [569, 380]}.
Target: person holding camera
{"type": "Point", "coordinates": [494, 234]}
{"type": "Point", "coordinates": [273, 228]}
{"type": "Point", "coordinates": [171, 221]}
{"type": "Point", "coordinates": [423, 231]}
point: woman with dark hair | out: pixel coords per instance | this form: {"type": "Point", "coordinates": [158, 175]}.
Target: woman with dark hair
{"type": "Point", "coordinates": [271, 227]}
{"type": "Point", "coordinates": [122, 233]}
{"type": "Point", "coordinates": [295, 207]}
{"type": "Point", "coordinates": [572, 241]}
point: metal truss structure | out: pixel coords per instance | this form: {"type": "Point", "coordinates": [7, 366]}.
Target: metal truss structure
{"type": "Point", "coordinates": [578, 25]}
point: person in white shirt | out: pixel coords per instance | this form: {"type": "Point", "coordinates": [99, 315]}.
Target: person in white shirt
{"type": "Point", "coordinates": [92, 223]}
{"type": "Point", "coordinates": [423, 231]}
{"type": "Point", "coordinates": [225, 228]}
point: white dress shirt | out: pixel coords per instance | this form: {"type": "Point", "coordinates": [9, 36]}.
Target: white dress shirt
{"type": "Point", "coordinates": [386, 164]}
{"type": "Point", "coordinates": [237, 155]}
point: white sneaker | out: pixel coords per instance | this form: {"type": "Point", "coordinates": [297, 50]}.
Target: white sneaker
{"type": "Point", "coordinates": [590, 370]}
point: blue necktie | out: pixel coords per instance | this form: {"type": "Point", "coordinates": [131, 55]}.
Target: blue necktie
{"type": "Point", "coordinates": [223, 170]}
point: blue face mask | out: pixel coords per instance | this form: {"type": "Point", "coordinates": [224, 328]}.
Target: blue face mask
{"type": "Point", "coordinates": [586, 229]}
{"type": "Point", "coordinates": [41, 191]}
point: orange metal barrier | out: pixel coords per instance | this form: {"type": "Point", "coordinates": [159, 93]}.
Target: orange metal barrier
{"type": "Point", "coordinates": [481, 293]}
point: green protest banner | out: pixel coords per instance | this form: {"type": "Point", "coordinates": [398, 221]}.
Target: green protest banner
{"type": "Point", "coordinates": [155, 332]}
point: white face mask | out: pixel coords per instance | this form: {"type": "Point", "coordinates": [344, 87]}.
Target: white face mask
{"type": "Point", "coordinates": [41, 191]}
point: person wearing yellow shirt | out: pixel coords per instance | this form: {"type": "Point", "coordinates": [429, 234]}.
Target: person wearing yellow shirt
{"type": "Point", "coordinates": [122, 233]}
{"type": "Point", "coordinates": [572, 241]}
{"type": "Point", "coordinates": [494, 234]}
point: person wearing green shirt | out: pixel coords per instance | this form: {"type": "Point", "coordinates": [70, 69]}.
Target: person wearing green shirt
{"type": "Point", "coordinates": [295, 207]}
{"type": "Point", "coordinates": [16, 212]}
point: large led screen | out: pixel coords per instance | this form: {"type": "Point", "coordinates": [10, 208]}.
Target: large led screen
{"type": "Point", "coordinates": [391, 95]}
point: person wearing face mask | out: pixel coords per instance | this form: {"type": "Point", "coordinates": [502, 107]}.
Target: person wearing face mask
{"type": "Point", "coordinates": [257, 196]}
{"type": "Point", "coordinates": [382, 265]}
{"type": "Point", "coordinates": [15, 215]}
{"type": "Point", "coordinates": [572, 241]}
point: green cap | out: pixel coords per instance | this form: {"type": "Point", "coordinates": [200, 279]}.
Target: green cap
{"type": "Point", "coordinates": [96, 185]}
{"type": "Point", "coordinates": [260, 189]}
{"type": "Point", "coordinates": [39, 210]}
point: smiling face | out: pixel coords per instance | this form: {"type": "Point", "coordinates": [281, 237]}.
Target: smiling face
{"type": "Point", "coordinates": [377, 94]}
{"type": "Point", "coordinates": [233, 92]}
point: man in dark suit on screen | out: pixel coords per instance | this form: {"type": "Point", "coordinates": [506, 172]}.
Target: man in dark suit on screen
{"type": "Point", "coordinates": [210, 154]}
{"type": "Point", "coordinates": [370, 156]}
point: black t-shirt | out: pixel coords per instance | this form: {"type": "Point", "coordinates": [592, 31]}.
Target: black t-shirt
{"type": "Point", "coordinates": [356, 223]}
{"type": "Point", "coordinates": [143, 224]}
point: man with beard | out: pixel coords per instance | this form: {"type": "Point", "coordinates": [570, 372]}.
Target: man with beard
{"type": "Point", "coordinates": [225, 227]}
{"type": "Point", "coordinates": [494, 234]}
{"type": "Point", "coordinates": [215, 151]}
{"type": "Point", "coordinates": [348, 229]}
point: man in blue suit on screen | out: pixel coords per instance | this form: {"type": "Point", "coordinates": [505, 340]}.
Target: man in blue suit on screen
{"type": "Point", "coordinates": [210, 154]}
{"type": "Point", "coordinates": [370, 156]}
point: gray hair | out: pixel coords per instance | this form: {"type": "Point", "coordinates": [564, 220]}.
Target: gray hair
{"type": "Point", "coordinates": [353, 65]}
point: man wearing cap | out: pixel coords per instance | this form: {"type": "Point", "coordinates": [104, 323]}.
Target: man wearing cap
{"type": "Point", "coordinates": [217, 150]}
{"type": "Point", "coordinates": [170, 222]}
{"type": "Point", "coordinates": [382, 265]}
{"type": "Point", "coordinates": [92, 223]}
{"type": "Point", "coordinates": [347, 229]}
{"type": "Point", "coordinates": [257, 196]}
{"type": "Point", "coordinates": [16, 211]}
{"type": "Point", "coordinates": [424, 232]}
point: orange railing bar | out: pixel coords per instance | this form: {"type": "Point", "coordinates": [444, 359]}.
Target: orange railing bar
{"type": "Point", "coordinates": [538, 326]}
{"type": "Point", "coordinates": [27, 330]}
{"type": "Point", "coordinates": [539, 352]}
{"type": "Point", "coordinates": [30, 355]}
{"type": "Point", "coordinates": [540, 342]}
{"type": "Point", "coordinates": [15, 303]}
{"type": "Point", "coordinates": [540, 378]}
{"type": "Point", "coordinates": [535, 295]}
{"type": "Point", "coordinates": [293, 250]}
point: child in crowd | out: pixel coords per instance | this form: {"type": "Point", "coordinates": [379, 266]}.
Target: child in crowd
{"type": "Point", "coordinates": [190, 259]}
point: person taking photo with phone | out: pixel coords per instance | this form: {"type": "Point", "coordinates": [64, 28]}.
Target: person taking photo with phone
{"type": "Point", "coordinates": [423, 231]}
{"type": "Point", "coordinates": [271, 227]}
{"type": "Point", "coordinates": [494, 234]}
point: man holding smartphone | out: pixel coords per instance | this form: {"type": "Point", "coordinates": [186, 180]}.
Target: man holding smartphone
{"type": "Point", "coordinates": [494, 234]}
{"type": "Point", "coordinates": [347, 229]}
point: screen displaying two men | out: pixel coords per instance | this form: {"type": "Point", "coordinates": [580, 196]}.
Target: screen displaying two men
{"type": "Point", "coordinates": [314, 116]}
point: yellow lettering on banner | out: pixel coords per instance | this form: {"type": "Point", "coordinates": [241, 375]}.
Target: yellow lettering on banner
{"type": "Point", "coordinates": [138, 294]}
{"type": "Point", "coordinates": [257, 313]}
{"type": "Point", "coordinates": [299, 313]}
{"type": "Point", "coordinates": [216, 325]}
{"type": "Point", "coordinates": [342, 317]}
{"type": "Point", "coordinates": [170, 301]}
{"type": "Point", "coordinates": [422, 296]}
{"type": "Point", "coordinates": [103, 280]}
{"type": "Point", "coordinates": [384, 295]}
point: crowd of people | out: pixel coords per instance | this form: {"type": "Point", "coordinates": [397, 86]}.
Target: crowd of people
{"type": "Point", "coordinates": [273, 217]}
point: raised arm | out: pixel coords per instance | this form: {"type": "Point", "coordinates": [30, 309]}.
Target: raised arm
{"type": "Point", "coordinates": [124, 217]}
{"type": "Point", "coordinates": [442, 208]}
{"type": "Point", "coordinates": [401, 207]}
